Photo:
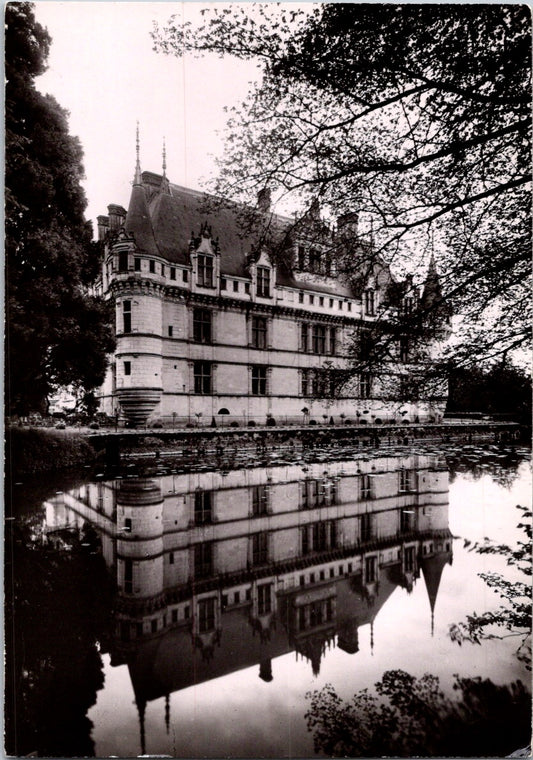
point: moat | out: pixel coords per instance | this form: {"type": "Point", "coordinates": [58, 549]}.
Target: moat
{"type": "Point", "coordinates": [193, 611]}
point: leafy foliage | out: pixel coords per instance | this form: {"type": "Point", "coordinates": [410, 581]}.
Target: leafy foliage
{"type": "Point", "coordinates": [504, 389]}
{"type": "Point", "coordinates": [415, 117]}
{"type": "Point", "coordinates": [409, 717]}
{"type": "Point", "coordinates": [57, 334]}
{"type": "Point", "coordinates": [514, 617]}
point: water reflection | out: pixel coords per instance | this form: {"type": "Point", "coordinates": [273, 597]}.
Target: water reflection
{"type": "Point", "coordinates": [222, 571]}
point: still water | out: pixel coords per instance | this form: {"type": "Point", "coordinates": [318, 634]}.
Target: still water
{"type": "Point", "coordinates": [189, 614]}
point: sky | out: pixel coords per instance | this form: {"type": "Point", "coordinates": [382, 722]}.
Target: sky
{"type": "Point", "coordinates": [103, 70]}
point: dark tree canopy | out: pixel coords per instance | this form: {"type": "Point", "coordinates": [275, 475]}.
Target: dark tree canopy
{"type": "Point", "coordinates": [416, 117]}
{"type": "Point", "coordinates": [57, 334]}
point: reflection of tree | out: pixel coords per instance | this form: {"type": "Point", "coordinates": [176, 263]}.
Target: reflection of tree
{"type": "Point", "coordinates": [502, 465]}
{"type": "Point", "coordinates": [514, 617]}
{"type": "Point", "coordinates": [57, 608]}
{"type": "Point", "coordinates": [412, 716]}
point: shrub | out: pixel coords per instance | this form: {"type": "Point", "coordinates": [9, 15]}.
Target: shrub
{"type": "Point", "coordinates": [271, 422]}
{"type": "Point", "coordinates": [234, 424]}
{"type": "Point", "coordinates": [312, 422]}
{"type": "Point", "coordinates": [251, 423]}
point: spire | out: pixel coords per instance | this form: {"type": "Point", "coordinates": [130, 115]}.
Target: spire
{"type": "Point", "coordinates": [137, 180]}
{"type": "Point", "coordinates": [165, 187]}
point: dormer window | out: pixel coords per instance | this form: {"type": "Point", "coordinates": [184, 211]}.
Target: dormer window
{"type": "Point", "coordinates": [205, 271]}
{"type": "Point", "coordinates": [263, 282]}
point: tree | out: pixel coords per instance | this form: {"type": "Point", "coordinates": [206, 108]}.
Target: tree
{"type": "Point", "coordinates": [502, 390]}
{"type": "Point", "coordinates": [412, 717]}
{"type": "Point", "coordinates": [57, 333]}
{"type": "Point", "coordinates": [514, 616]}
{"type": "Point", "coordinates": [416, 118]}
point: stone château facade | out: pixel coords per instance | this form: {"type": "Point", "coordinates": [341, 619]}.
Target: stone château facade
{"type": "Point", "coordinates": [232, 314]}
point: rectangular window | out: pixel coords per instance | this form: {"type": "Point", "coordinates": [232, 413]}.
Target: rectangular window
{"type": "Point", "coordinates": [305, 382]}
{"type": "Point", "coordinates": [170, 331]}
{"type": "Point", "coordinates": [321, 301]}
{"type": "Point", "coordinates": [126, 313]}
{"type": "Point", "coordinates": [264, 598]}
{"type": "Point", "coordinates": [128, 576]}
{"type": "Point", "coordinates": [407, 521]}
{"type": "Point", "coordinates": [349, 306]}
{"type": "Point", "coordinates": [205, 271]}
{"type": "Point", "coordinates": [304, 337]}
{"type": "Point", "coordinates": [259, 500]}
{"type": "Point", "coordinates": [314, 260]}
{"type": "Point", "coordinates": [306, 548]}
{"type": "Point", "coordinates": [365, 385]}
{"type": "Point", "coordinates": [406, 480]}
{"type": "Point", "coordinates": [365, 487]}
{"type": "Point", "coordinates": [260, 548]}
{"type": "Point", "coordinates": [409, 559]}
{"type": "Point", "coordinates": [408, 305]}
{"type": "Point", "coordinates": [301, 257]}
{"type": "Point", "coordinates": [300, 297]}
{"type": "Point", "coordinates": [223, 283]}
{"type": "Point", "coordinates": [259, 380]}
{"type": "Point", "coordinates": [127, 368]}
{"type": "Point", "coordinates": [185, 274]}
{"type": "Point", "coordinates": [263, 282]}
{"type": "Point", "coordinates": [319, 339]}
{"type": "Point", "coordinates": [311, 300]}
{"type": "Point", "coordinates": [137, 264]}
{"type": "Point", "coordinates": [201, 325]}
{"type": "Point", "coordinates": [246, 287]}
{"type": "Point", "coordinates": [332, 340]}
{"type": "Point", "coordinates": [369, 303]}
{"type": "Point", "coordinates": [203, 560]}
{"type": "Point", "coordinates": [202, 507]}
{"type": "Point", "coordinates": [123, 261]}
{"type": "Point", "coordinates": [206, 615]}
{"type": "Point", "coordinates": [367, 527]}
{"type": "Point", "coordinates": [259, 332]}
{"type": "Point", "coordinates": [202, 377]}
{"type": "Point", "coordinates": [340, 305]}
{"type": "Point", "coordinates": [236, 286]}
{"type": "Point", "coordinates": [172, 273]}
{"type": "Point", "coordinates": [171, 558]}
{"type": "Point", "coordinates": [331, 303]}
{"type": "Point", "coordinates": [370, 569]}
{"type": "Point", "coordinates": [162, 270]}
{"type": "Point", "coordinates": [152, 266]}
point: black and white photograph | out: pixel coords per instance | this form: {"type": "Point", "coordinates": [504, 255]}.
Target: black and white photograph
{"type": "Point", "coordinates": [267, 380]}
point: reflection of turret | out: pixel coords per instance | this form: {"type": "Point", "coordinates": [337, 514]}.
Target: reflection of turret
{"type": "Point", "coordinates": [265, 670]}
{"type": "Point", "coordinates": [432, 567]}
{"type": "Point", "coordinates": [348, 638]}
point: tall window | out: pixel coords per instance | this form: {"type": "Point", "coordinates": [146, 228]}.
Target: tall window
{"type": "Point", "coordinates": [202, 377]}
{"type": "Point", "coordinates": [318, 537]}
{"type": "Point", "coordinates": [367, 526]}
{"type": "Point", "coordinates": [314, 260]}
{"type": "Point", "coordinates": [407, 520]}
{"type": "Point", "coordinates": [202, 507]}
{"type": "Point", "coordinates": [127, 368]}
{"type": "Point", "coordinates": [370, 569]}
{"type": "Point", "coordinates": [205, 271]}
{"type": "Point", "coordinates": [301, 257]}
{"type": "Point", "coordinates": [409, 559]}
{"type": "Point", "coordinates": [259, 500]}
{"type": "Point", "coordinates": [263, 282]}
{"type": "Point", "coordinates": [365, 385]}
{"type": "Point", "coordinates": [264, 598]}
{"type": "Point", "coordinates": [206, 615]}
{"type": "Point", "coordinates": [370, 304]}
{"type": "Point", "coordinates": [259, 380]}
{"type": "Point", "coordinates": [137, 264]}
{"type": "Point", "coordinates": [259, 548]}
{"type": "Point", "coordinates": [259, 332]}
{"type": "Point", "coordinates": [203, 560]}
{"type": "Point", "coordinates": [202, 323]}
{"type": "Point", "coordinates": [128, 576]}
{"type": "Point", "coordinates": [306, 382]}
{"type": "Point", "coordinates": [305, 336]}
{"type": "Point", "coordinates": [332, 340]}
{"type": "Point", "coordinates": [365, 487]}
{"type": "Point", "coordinates": [126, 314]}
{"type": "Point", "coordinates": [406, 480]}
{"type": "Point", "coordinates": [123, 261]}
{"type": "Point", "coordinates": [319, 339]}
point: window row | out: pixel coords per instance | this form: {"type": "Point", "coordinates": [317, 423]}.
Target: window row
{"type": "Point", "coordinates": [153, 267]}
{"type": "Point", "coordinates": [203, 378]}
{"type": "Point", "coordinates": [313, 300]}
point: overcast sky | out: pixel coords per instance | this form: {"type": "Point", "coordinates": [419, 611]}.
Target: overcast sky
{"type": "Point", "coordinates": [103, 71]}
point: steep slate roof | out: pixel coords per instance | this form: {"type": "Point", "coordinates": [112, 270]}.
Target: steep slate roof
{"type": "Point", "coordinates": [162, 217]}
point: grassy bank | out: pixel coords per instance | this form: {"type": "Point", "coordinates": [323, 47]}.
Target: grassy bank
{"type": "Point", "coordinates": [30, 451]}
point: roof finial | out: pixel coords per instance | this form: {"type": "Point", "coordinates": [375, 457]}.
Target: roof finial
{"type": "Point", "coordinates": [164, 158]}
{"type": "Point", "coordinates": [137, 179]}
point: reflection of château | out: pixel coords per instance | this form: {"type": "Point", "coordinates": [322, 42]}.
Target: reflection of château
{"type": "Point", "coordinates": [221, 571]}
